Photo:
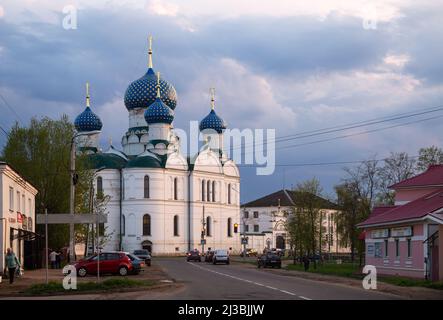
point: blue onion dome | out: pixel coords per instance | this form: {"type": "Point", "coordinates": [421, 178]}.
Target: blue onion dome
{"type": "Point", "coordinates": [214, 122]}
{"type": "Point", "coordinates": [87, 121]}
{"type": "Point", "coordinates": [142, 92]}
{"type": "Point", "coordinates": [159, 112]}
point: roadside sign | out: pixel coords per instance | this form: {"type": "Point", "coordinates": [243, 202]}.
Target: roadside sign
{"type": "Point", "coordinates": [203, 241]}
{"type": "Point", "coordinates": [244, 241]}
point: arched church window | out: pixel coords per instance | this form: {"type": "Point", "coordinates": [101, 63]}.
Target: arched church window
{"type": "Point", "coordinates": [146, 187]}
{"type": "Point", "coordinates": [123, 227]}
{"type": "Point", "coordinates": [213, 191]}
{"type": "Point", "coordinates": [203, 190]}
{"type": "Point", "coordinates": [175, 189]}
{"type": "Point", "coordinates": [208, 226]}
{"type": "Point", "coordinates": [146, 225]}
{"type": "Point", "coordinates": [229, 193]}
{"type": "Point", "coordinates": [99, 187]}
{"type": "Point", "coordinates": [176, 225]}
{"type": "Point", "coordinates": [208, 191]}
{"type": "Point", "coordinates": [229, 227]}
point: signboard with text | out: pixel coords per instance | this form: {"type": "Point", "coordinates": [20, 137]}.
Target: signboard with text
{"type": "Point", "coordinates": [401, 232]}
{"type": "Point", "coordinates": [380, 233]}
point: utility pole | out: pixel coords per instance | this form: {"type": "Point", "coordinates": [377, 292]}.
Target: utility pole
{"type": "Point", "coordinates": [46, 243]}
{"type": "Point", "coordinates": [72, 201]}
{"type": "Point", "coordinates": [244, 233]}
{"type": "Point", "coordinates": [203, 231]}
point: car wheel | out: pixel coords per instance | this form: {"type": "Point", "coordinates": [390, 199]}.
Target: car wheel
{"type": "Point", "coordinates": [123, 271]}
{"type": "Point", "coordinates": [82, 272]}
{"type": "Point", "coordinates": [149, 264]}
{"type": "Point", "coordinates": [227, 262]}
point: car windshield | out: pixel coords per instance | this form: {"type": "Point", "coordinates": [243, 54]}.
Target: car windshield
{"type": "Point", "coordinates": [221, 252]}
{"type": "Point", "coordinates": [132, 257]}
{"type": "Point", "coordinates": [142, 252]}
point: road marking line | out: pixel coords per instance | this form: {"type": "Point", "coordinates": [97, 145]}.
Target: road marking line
{"type": "Point", "coordinates": [287, 292]}
{"type": "Point", "coordinates": [249, 281]}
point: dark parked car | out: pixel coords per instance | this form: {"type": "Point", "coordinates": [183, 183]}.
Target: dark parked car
{"type": "Point", "coordinates": [145, 255]}
{"type": "Point", "coordinates": [137, 263]}
{"type": "Point", "coordinates": [209, 256]}
{"type": "Point", "coordinates": [110, 262]}
{"type": "Point", "coordinates": [269, 260]}
{"type": "Point", "coordinates": [194, 256]}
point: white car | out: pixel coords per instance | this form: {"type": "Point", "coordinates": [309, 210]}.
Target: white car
{"type": "Point", "coordinates": [220, 256]}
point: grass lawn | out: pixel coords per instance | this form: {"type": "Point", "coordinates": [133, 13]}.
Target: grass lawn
{"type": "Point", "coordinates": [343, 270]}
{"type": "Point", "coordinates": [408, 282]}
{"type": "Point", "coordinates": [55, 287]}
{"type": "Point", "coordinates": [350, 270]}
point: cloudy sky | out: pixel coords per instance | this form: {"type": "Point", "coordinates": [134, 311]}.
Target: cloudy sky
{"type": "Point", "coordinates": [293, 66]}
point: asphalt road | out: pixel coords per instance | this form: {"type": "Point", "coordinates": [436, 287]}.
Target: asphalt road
{"type": "Point", "coordinates": [204, 281]}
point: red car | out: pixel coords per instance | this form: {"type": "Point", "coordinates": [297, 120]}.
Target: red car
{"type": "Point", "coordinates": [110, 262]}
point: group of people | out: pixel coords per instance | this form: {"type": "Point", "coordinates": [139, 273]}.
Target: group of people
{"type": "Point", "coordinates": [55, 258]}
{"type": "Point", "coordinates": [12, 264]}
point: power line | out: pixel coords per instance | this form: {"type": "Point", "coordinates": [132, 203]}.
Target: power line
{"type": "Point", "coordinates": [324, 163]}
{"type": "Point", "coordinates": [4, 131]}
{"type": "Point", "coordinates": [11, 108]}
{"type": "Point", "coordinates": [360, 133]}
{"type": "Point", "coordinates": [371, 122]}
{"type": "Point", "coordinates": [317, 132]}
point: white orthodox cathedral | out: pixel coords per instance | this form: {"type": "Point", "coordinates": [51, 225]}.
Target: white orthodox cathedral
{"type": "Point", "coordinates": [160, 199]}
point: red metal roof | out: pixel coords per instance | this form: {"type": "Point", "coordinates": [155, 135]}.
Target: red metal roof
{"type": "Point", "coordinates": [431, 177]}
{"type": "Point", "coordinates": [380, 210]}
{"type": "Point", "coordinates": [412, 210]}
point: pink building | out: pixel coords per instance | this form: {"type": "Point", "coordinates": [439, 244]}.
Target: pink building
{"type": "Point", "coordinates": [407, 239]}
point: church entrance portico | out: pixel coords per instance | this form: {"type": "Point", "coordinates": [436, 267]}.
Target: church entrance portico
{"type": "Point", "coordinates": [147, 245]}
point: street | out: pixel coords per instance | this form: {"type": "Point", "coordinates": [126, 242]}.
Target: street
{"type": "Point", "coordinates": [205, 281]}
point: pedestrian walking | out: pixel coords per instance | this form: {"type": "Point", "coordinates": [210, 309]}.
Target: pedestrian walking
{"type": "Point", "coordinates": [53, 259]}
{"type": "Point", "coordinates": [306, 263]}
{"type": "Point", "coordinates": [58, 260]}
{"type": "Point", "coordinates": [12, 263]}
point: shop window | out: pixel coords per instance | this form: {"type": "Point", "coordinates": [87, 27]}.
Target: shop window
{"type": "Point", "coordinates": [409, 244]}
{"type": "Point", "coordinates": [386, 248]}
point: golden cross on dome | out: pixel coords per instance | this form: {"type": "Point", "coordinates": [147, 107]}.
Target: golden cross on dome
{"type": "Point", "coordinates": [150, 52]}
{"type": "Point", "coordinates": [212, 90]}
{"type": "Point", "coordinates": [87, 94]}
{"type": "Point", "coordinates": [158, 84]}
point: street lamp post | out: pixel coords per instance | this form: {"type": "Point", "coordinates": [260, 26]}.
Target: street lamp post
{"type": "Point", "coordinates": [72, 184]}
{"type": "Point", "coordinates": [203, 231]}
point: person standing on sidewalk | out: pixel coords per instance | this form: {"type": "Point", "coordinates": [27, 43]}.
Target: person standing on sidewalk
{"type": "Point", "coordinates": [53, 259]}
{"type": "Point", "coordinates": [12, 263]}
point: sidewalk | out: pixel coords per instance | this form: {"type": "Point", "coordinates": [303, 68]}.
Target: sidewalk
{"type": "Point", "coordinates": [416, 293]}
{"type": "Point", "coordinates": [32, 277]}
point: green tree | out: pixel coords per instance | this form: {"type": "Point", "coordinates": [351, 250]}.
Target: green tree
{"type": "Point", "coordinates": [354, 208]}
{"type": "Point", "coordinates": [41, 153]}
{"type": "Point", "coordinates": [305, 224]}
